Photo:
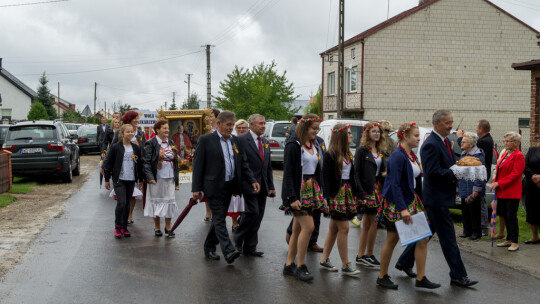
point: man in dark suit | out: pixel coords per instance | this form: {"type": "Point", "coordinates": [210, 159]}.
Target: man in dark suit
{"type": "Point", "coordinates": [219, 169]}
{"type": "Point", "coordinates": [102, 130]}
{"type": "Point", "coordinates": [257, 152]}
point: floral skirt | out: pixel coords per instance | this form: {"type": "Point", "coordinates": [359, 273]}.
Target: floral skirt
{"type": "Point", "coordinates": [311, 199]}
{"type": "Point", "coordinates": [343, 206]}
{"type": "Point", "coordinates": [373, 201]}
{"type": "Point", "coordinates": [388, 213]}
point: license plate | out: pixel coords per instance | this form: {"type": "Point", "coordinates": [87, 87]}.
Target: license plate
{"type": "Point", "coordinates": [31, 150]}
{"type": "Point", "coordinates": [91, 139]}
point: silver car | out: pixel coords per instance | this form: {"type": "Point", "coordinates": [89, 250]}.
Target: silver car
{"type": "Point", "coordinates": [276, 134]}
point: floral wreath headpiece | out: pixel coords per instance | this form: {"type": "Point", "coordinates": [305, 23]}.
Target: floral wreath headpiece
{"type": "Point", "coordinates": [375, 124]}
{"type": "Point", "coordinates": [341, 129]}
{"type": "Point", "coordinates": [401, 133]}
{"type": "Point", "coordinates": [311, 119]}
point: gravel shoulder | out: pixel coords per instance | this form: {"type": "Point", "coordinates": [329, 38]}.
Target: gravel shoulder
{"type": "Point", "coordinates": [23, 220]}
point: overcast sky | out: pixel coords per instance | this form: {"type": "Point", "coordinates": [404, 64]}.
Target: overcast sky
{"type": "Point", "coordinates": [139, 51]}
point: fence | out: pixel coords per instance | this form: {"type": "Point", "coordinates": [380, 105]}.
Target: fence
{"type": "Point", "coordinates": [5, 171]}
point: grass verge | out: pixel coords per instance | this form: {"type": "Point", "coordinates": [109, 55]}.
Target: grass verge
{"type": "Point", "coordinates": [6, 200]}
{"type": "Point", "coordinates": [22, 185]}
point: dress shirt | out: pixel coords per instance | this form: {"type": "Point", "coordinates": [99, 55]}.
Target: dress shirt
{"type": "Point", "coordinates": [228, 154]}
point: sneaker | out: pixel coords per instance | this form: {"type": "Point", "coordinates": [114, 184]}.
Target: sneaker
{"type": "Point", "coordinates": [349, 270]}
{"type": "Point", "coordinates": [356, 221]}
{"type": "Point", "coordinates": [372, 261]}
{"type": "Point", "coordinates": [289, 270]}
{"type": "Point", "coordinates": [117, 232]}
{"type": "Point", "coordinates": [425, 283]}
{"type": "Point", "coordinates": [302, 273]}
{"type": "Point", "coordinates": [125, 232]}
{"type": "Point", "coordinates": [386, 282]}
{"type": "Point", "coordinates": [328, 266]}
{"type": "Point", "coordinates": [362, 260]}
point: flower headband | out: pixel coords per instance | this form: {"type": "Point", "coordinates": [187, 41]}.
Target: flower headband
{"type": "Point", "coordinates": [341, 129]}
{"type": "Point", "coordinates": [401, 133]}
{"type": "Point", "coordinates": [375, 124]}
{"type": "Point", "coordinates": [311, 119]}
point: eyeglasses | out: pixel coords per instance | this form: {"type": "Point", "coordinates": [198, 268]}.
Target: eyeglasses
{"type": "Point", "coordinates": [241, 128]}
{"type": "Point", "coordinates": [507, 141]}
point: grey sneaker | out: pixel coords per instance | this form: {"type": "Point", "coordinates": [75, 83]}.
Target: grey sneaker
{"type": "Point", "coordinates": [349, 270]}
{"type": "Point", "coordinates": [362, 261]}
{"type": "Point", "coordinates": [328, 266]}
{"type": "Point", "coordinates": [372, 262]}
{"type": "Point", "coordinates": [302, 273]}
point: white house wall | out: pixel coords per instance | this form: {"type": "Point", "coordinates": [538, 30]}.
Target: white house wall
{"type": "Point", "coordinates": [13, 98]}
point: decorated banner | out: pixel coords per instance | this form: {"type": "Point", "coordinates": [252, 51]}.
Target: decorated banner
{"type": "Point", "coordinates": [184, 178]}
{"type": "Point", "coordinates": [147, 118]}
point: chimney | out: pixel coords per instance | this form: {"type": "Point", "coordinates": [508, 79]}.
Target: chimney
{"type": "Point", "coordinates": [422, 2]}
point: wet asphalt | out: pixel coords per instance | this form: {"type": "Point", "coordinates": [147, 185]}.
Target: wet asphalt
{"type": "Point", "coordinates": [77, 260]}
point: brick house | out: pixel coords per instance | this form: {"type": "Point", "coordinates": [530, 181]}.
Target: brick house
{"type": "Point", "coordinates": [452, 54]}
{"type": "Point", "coordinates": [534, 67]}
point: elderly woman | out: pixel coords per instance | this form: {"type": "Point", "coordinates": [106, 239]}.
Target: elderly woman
{"type": "Point", "coordinates": [182, 142]}
{"type": "Point", "coordinates": [507, 184]}
{"type": "Point", "coordinates": [237, 201]}
{"type": "Point", "coordinates": [471, 192]}
{"type": "Point", "coordinates": [532, 192]}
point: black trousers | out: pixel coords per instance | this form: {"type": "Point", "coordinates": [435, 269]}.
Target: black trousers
{"type": "Point", "coordinates": [246, 236]}
{"type": "Point", "coordinates": [472, 221]}
{"type": "Point", "coordinates": [218, 233]}
{"type": "Point", "coordinates": [507, 208]}
{"type": "Point", "coordinates": [316, 224]}
{"type": "Point", "coordinates": [124, 191]}
{"type": "Point", "coordinates": [440, 223]}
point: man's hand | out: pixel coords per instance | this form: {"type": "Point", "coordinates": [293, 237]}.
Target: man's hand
{"type": "Point", "coordinates": [296, 205]}
{"type": "Point", "coordinates": [536, 178]}
{"type": "Point", "coordinates": [107, 185]}
{"type": "Point", "coordinates": [196, 195]}
{"type": "Point", "coordinates": [256, 187]}
{"type": "Point", "coordinates": [272, 193]}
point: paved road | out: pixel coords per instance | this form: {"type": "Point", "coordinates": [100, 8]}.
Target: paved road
{"type": "Point", "coordinates": [77, 260]}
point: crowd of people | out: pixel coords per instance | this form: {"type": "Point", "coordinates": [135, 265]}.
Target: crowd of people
{"type": "Point", "coordinates": [383, 182]}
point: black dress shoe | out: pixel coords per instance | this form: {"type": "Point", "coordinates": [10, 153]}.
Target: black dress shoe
{"type": "Point", "coordinates": [230, 257]}
{"type": "Point", "coordinates": [211, 255]}
{"type": "Point", "coordinates": [425, 283]}
{"type": "Point", "coordinates": [239, 249]}
{"type": "Point", "coordinates": [158, 233]}
{"type": "Point", "coordinates": [253, 253]}
{"type": "Point", "coordinates": [475, 237]}
{"type": "Point", "coordinates": [386, 282]}
{"type": "Point", "coordinates": [463, 282]}
{"type": "Point", "coordinates": [407, 270]}
{"type": "Point", "coordinates": [169, 233]}
{"type": "Point", "coordinates": [464, 235]}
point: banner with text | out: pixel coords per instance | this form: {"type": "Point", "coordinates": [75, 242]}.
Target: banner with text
{"type": "Point", "coordinates": [147, 118]}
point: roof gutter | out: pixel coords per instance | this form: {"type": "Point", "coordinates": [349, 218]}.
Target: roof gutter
{"type": "Point", "coordinates": [322, 88]}
{"type": "Point", "coordinates": [362, 77]}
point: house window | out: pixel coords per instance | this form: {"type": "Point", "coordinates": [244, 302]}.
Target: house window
{"type": "Point", "coordinates": [524, 122]}
{"type": "Point", "coordinates": [332, 83]}
{"type": "Point", "coordinates": [351, 80]}
{"type": "Point", "coordinates": [353, 53]}
{"type": "Point", "coordinates": [331, 59]}
{"type": "Point", "coordinates": [330, 116]}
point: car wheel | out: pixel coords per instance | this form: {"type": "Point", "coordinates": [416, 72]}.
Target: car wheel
{"type": "Point", "coordinates": [77, 170]}
{"type": "Point", "coordinates": [68, 176]}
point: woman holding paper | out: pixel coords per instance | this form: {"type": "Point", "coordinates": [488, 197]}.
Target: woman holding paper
{"type": "Point", "coordinates": [401, 192]}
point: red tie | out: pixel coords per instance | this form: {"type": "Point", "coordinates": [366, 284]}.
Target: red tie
{"type": "Point", "coordinates": [448, 146]}
{"type": "Point", "coordinates": [261, 153]}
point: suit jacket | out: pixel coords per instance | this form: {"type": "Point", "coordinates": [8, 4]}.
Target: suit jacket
{"type": "Point", "coordinates": [209, 166]}
{"type": "Point", "coordinates": [439, 186]}
{"type": "Point", "coordinates": [509, 174]}
{"type": "Point", "coordinates": [365, 171]}
{"type": "Point", "coordinates": [101, 134]}
{"type": "Point", "coordinates": [399, 184]}
{"type": "Point", "coordinates": [151, 159]}
{"type": "Point", "coordinates": [262, 170]}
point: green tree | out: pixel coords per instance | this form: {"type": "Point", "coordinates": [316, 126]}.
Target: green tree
{"type": "Point", "coordinates": [123, 108]}
{"type": "Point", "coordinates": [173, 105]}
{"type": "Point", "coordinates": [192, 102]}
{"type": "Point", "coordinates": [45, 98]}
{"type": "Point", "coordinates": [316, 106]}
{"type": "Point", "coordinates": [259, 90]}
{"type": "Point", "coordinates": [72, 116]}
{"type": "Point", "coordinates": [37, 112]}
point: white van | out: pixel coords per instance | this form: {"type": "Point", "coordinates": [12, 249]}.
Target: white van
{"type": "Point", "coordinates": [357, 128]}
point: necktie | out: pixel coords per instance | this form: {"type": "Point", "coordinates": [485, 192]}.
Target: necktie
{"type": "Point", "coordinates": [261, 152]}
{"type": "Point", "coordinates": [448, 146]}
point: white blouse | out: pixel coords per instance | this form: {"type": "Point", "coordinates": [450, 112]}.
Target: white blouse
{"type": "Point", "coordinates": [416, 170]}
{"type": "Point", "coordinates": [346, 171]}
{"type": "Point", "coordinates": [167, 167]}
{"type": "Point", "coordinates": [378, 161]}
{"type": "Point", "coordinates": [309, 162]}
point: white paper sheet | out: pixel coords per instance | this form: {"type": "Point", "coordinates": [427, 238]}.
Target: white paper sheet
{"type": "Point", "coordinates": [412, 233]}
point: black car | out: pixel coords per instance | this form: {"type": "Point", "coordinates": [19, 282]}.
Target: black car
{"type": "Point", "coordinates": [3, 133]}
{"type": "Point", "coordinates": [87, 139]}
{"type": "Point", "coordinates": [41, 148]}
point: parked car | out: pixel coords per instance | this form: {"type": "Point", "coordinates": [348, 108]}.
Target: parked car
{"type": "Point", "coordinates": [87, 139]}
{"type": "Point", "coordinates": [357, 128]}
{"type": "Point", "coordinates": [275, 133]}
{"type": "Point", "coordinates": [72, 127]}
{"type": "Point", "coordinates": [3, 133]}
{"type": "Point", "coordinates": [43, 147]}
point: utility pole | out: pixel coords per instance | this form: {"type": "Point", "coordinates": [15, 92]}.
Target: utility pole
{"type": "Point", "coordinates": [208, 78]}
{"type": "Point", "coordinates": [95, 96]}
{"type": "Point", "coordinates": [59, 99]}
{"type": "Point", "coordinates": [341, 65]}
{"type": "Point", "coordinates": [188, 85]}
{"type": "Point", "coordinates": [105, 112]}
{"type": "Point", "coordinates": [173, 98]}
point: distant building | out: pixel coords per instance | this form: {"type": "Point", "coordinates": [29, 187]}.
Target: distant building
{"type": "Point", "coordinates": [86, 112]}
{"type": "Point", "coordinates": [16, 97]}
{"type": "Point", "coordinates": [451, 54]}
{"type": "Point", "coordinates": [62, 106]}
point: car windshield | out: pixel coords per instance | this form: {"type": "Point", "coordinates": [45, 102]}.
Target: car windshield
{"type": "Point", "coordinates": [87, 131]}
{"type": "Point", "coordinates": [280, 129]}
{"type": "Point", "coordinates": [357, 135]}
{"type": "Point", "coordinates": [32, 132]}
{"type": "Point", "coordinates": [72, 127]}
{"type": "Point", "coordinates": [3, 132]}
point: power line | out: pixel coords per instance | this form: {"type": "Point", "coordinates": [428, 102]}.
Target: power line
{"type": "Point", "coordinates": [32, 3]}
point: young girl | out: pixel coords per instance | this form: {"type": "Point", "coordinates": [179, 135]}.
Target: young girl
{"type": "Point", "coordinates": [370, 171]}
{"type": "Point", "coordinates": [402, 190]}
{"type": "Point", "coordinates": [301, 193]}
{"type": "Point", "coordinates": [124, 165]}
{"type": "Point", "coordinates": [340, 186]}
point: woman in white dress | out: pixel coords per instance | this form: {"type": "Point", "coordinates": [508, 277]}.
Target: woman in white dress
{"type": "Point", "coordinates": [161, 171]}
{"type": "Point", "coordinates": [237, 201]}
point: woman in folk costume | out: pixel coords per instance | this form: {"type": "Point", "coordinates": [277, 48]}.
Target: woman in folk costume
{"type": "Point", "coordinates": [161, 171]}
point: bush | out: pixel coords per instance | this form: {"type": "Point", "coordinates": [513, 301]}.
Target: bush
{"type": "Point", "coordinates": [37, 112]}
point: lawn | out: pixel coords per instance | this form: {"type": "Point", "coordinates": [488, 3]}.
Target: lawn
{"type": "Point", "coordinates": [6, 200]}
{"type": "Point", "coordinates": [22, 185]}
